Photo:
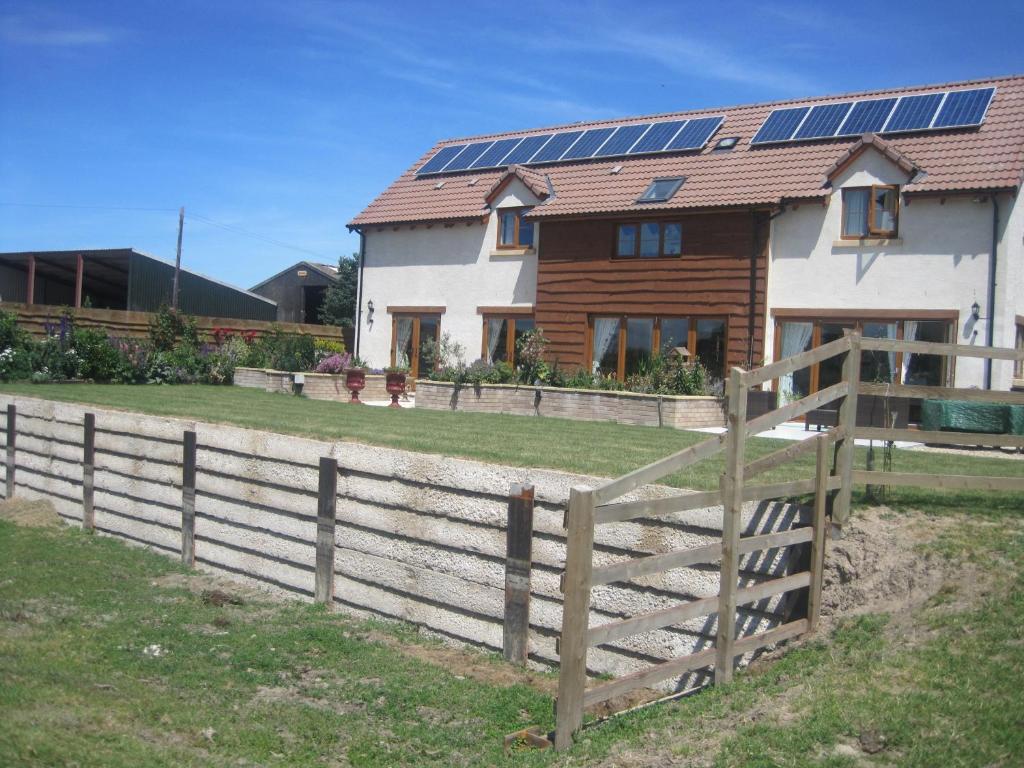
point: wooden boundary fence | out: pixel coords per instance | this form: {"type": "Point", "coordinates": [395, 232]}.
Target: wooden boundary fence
{"type": "Point", "coordinates": [34, 319]}
{"type": "Point", "coordinates": [831, 488]}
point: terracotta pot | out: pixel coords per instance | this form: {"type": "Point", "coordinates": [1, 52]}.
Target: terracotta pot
{"type": "Point", "coordinates": [355, 381]}
{"type": "Point", "coordinates": [395, 383]}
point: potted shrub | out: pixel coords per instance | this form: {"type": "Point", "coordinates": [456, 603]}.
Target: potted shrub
{"type": "Point", "coordinates": [394, 378]}
{"type": "Point", "coordinates": [355, 379]}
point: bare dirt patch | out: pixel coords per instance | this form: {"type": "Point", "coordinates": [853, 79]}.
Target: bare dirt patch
{"type": "Point", "coordinates": [37, 513]}
{"type": "Point", "coordinates": [881, 565]}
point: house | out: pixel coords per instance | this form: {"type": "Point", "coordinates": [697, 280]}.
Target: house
{"type": "Point", "coordinates": [299, 291]}
{"type": "Point", "coordinates": [121, 279]}
{"type": "Point", "coordinates": [744, 234]}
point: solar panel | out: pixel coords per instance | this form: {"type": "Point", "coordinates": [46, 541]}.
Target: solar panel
{"type": "Point", "coordinates": [964, 108]}
{"type": "Point", "coordinates": [554, 148]}
{"type": "Point", "coordinates": [823, 121]}
{"type": "Point", "coordinates": [624, 138]}
{"type": "Point", "coordinates": [588, 143]}
{"type": "Point", "coordinates": [468, 156]}
{"type": "Point", "coordinates": [780, 125]}
{"type": "Point", "coordinates": [695, 134]}
{"type": "Point", "coordinates": [914, 113]}
{"type": "Point", "coordinates": [493, 156]}
{"type": "Point", "coordinates": [867, 117]}
{"type": "Point", "coordinates": [658, 137]}
{"type": "Point", "coordinates": [526, 149]}
{"type": "Point", "coordinates": [440, 160]}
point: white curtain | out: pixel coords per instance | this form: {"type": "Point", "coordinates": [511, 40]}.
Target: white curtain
{"type": "Point", "coordinates": [909, 334]}
{"type": "Point", "coordinates": [495, 334]}
{"type": "Point", "coordinates": [606, 331]}
{"type": "Point", "coordinates": [795, 339]}
{"type": "Point", "coordinates": [403, 335]}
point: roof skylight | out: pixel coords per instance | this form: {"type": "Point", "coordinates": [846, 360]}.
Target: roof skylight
{"type": "Point", "coordinates": [661, 190]}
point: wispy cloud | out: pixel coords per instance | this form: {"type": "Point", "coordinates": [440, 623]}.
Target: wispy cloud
{"type": "Point", "coordinates": [54, 30]}
{"type": "Point", "coordinates": [682, 54]}
{"type": "Point", "coordinates": [396, 48]}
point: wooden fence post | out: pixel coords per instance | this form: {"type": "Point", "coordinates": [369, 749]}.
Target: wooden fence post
{"type": "Point", "coordinates": [821, 477]}
{"type": "Point", "coordinates": [848, 424]}
{"type": "Point", "coordinates": [88, 471]}
{"type": "Point", "coordinates": [325, 523]}
{"type": "Point", "coordinates": [12, 436]}
{"type": "Point", "coordinates": [188, 499]}
{"type": "Point", "coordinates": [572, 645]}
{"type": "Point", "coordinates": [732, 523]}
{"type": "Point", "coordinates": [518, 564]}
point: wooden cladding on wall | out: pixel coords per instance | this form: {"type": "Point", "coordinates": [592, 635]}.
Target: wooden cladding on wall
{"type": "Point", "coordinates": [577, 277]}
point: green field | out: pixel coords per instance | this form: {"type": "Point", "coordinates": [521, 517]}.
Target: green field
{"type": "Point", "coordinates": [597, 448]}
{"type": "Point", "coordinates": [111, 656]}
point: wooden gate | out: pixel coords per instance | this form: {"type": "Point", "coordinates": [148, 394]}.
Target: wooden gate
{"type": "Point", "coordinates": [831, 487]}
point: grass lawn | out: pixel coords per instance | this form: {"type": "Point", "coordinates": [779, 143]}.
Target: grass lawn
{"type": "Point", "coordinates": [108, 658]}
{"type": "Point", "coordinates": [598, 448]}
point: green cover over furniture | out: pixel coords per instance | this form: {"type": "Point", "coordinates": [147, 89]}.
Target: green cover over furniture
{"type": "Point", "coordinates": [965, 416]}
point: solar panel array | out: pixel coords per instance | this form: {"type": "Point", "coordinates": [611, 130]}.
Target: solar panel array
{"type": "Point", "coordinates": [611, 141]}
{"type": "Point", "coordinates": [920, 112]}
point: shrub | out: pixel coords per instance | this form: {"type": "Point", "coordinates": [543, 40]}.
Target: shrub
{"type": "Point", "coordinates": [15, 349]}
{"type": "Point", "coordinates": [325, 348]}
{"type": "Point", "coordinates": [443, 360]}
{"type": "Point", "coordinates": [132, 361]}
{"type": "Point", "coordinates": [293, 352]}
{"type": "Point", "coordinates": [98, 359]}
{"type": "Point", "coordinates": [530, 349]}
{"type": "Point", "coordinates": [169, 326]}
{"type": "Point", "coordinates": [336, 363]}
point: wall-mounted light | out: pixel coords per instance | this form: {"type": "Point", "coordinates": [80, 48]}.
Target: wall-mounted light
{"type": "Point", "coordinates": [975, 311]}
{"type": "Point", "coordinates": [369, 312]}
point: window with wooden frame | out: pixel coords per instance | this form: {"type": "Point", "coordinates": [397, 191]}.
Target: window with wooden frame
{"type": "Point", "coordinates": [871, 211]}
{"type": "Point", "coordinates": [649, 240]}
{"type": "Point", "coordinates": [513, 230]}
{"type": "Point", "coordinates": [794, 335]}
{"type": "Point", "coordinates": [501, 337]}
{"type": "Point", "coordinates": [411, 341]}
{"type": "Point", "coordinates": [619, 346]}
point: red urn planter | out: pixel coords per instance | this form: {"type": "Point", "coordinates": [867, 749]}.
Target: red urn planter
{"type": "Point", "coordinates": [355, 380]}
{"type": "Point", "coordinates": [395, 383]}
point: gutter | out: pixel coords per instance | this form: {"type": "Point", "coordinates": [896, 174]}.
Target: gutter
{"type": "Point", "coordinates": [359, 290]}
{"type": "Point", "coordinates": [991, 309]}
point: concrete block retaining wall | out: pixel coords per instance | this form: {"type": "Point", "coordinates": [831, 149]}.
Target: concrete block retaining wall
{"type": "Point", "coordinates": [420, 537]}
{"type": "Point", "coordinates": [317, 386]}
{"type": "Point", "coordinates": [580, 404]}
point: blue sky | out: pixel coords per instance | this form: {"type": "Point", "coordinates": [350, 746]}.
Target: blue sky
{"type": "Point", "coordinates": [284, 119]}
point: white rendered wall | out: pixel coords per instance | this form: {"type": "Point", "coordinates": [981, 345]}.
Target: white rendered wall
{"type": "Point", "coordinates": [940, 261]}
{"type": "Point", "coordinates": [454, 267]}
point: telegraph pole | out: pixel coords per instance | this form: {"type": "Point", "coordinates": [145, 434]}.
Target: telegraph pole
{"type": "Point", "coordinates": [177, 260]}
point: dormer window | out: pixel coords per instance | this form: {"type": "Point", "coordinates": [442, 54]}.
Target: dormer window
{"type": "Point", "coordinates": [661, 190]}
{"type": "Point", "coordinates": [871, 211]}
{"type": "Point", "coordinates": [513, 230]}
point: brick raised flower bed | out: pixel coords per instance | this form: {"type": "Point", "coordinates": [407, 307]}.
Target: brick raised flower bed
{"type": "Point", "coordinates": [581, 404]}
{"type": "Point", "coordinates": [317, 386]}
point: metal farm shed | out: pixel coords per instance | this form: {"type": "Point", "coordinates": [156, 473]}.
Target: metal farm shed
{"type": "Point", "coordinates": [124, 279]}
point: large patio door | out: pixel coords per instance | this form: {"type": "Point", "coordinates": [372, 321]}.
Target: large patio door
{"type": "Point", "coordinates": [411, 335]}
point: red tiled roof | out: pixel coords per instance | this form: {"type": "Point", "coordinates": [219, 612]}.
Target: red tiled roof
{"type": "Point", "coordinates": [984, 158]}
{"type": "Point", "coordinates": [535, 181]}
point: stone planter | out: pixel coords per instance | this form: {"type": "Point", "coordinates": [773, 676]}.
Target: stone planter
{"type": "Point", "coordinates": [355, 382]}
{"type": "Point", "coordinates": [680, 412]}
{"type": "Point", "coordinates": [395, 387]}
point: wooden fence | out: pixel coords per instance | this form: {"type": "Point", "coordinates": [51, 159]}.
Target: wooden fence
{"type": "Point", "coordinates": [35, 318]}
{"type": "Point", "coordinates": [831, 487]}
